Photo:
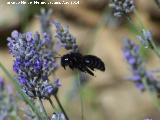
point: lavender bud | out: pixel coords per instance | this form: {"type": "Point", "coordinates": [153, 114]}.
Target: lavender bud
{"type": "Point", "coordinates": [122, 7]}
{"type": "Point", "coordinates": [58, 116]}
{"type": "Point", "coordinates": [58, 83]}
{"type": "Point", "coordinates": [65, 37]}
{"type": "Point", "coordinates": [145, 38]}
{"type": "Point", "coordinates": [48, 90]}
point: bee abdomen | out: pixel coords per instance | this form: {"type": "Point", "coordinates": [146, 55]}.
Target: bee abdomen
{"type": "Point", "coordinates": [94, 62]}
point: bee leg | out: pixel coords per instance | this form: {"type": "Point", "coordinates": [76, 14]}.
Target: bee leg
{"type": "Point", "coordinates": [89, 71]}
{"type": "Point", "coordinates": [71, 66]}
{"type": "Point", "coordinates": [91, 68]}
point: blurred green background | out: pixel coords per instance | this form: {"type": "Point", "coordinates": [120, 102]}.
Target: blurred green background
{"type": "Point", "coordinates": [109, 95]}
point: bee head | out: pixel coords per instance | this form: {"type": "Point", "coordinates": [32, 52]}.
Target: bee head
{"type": "Point", "coordinates": [65, 61]}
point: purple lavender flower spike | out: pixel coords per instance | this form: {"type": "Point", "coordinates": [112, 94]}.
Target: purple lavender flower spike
{"type": "Point", "coordinates": [131, 54]}
{"type": "Point", "coordinates": [33, 62]}
{"type": "Point", "coordinates": [65, 37]}
{"type": "Point", "coordinates": [122, 7]}
{"type": "Point", "coordinates": [45, 17]}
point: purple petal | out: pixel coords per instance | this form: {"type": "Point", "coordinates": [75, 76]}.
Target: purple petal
{"type": "Point", "coordinates": [29, 36]}
{"type": "Point", "coordinates": [15, 34]}
{"type": "Point", "coordinates": [132, 61]}
{"type": "Point", "coordinates": [140, 86]}
{"type": "Point", "coordinates": [136, 78]}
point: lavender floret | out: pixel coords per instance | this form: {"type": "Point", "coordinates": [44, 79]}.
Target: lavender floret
{"type": "Point", "coordinates": [122, 7]}
{"type": "Point", "coordinates": [58, 116]}
{"type": "Point", "coordinates": [146, 38]}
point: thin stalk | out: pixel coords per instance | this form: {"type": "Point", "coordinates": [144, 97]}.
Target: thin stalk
{"type": "Point", "coordinates": [153, 95]}
{"type": "Point", "coordinates": [135, 27]}
{"type": "Point", "coordinates": [82, 107]}
{"type": "Point", "coordinates": [44, 110]}
{"type": "Point", "coordinates": [81, 97]}
{"type": "Point", "coordinates": [53, 106]}
{"type": "Point", "coordinates": [139, 19]}
{"type": "Point", "coordinates": [61, 107]}
{"type": "Point", "coordinates": [155, 48]}
{"type": "Point", "coordinates": [18, 88]}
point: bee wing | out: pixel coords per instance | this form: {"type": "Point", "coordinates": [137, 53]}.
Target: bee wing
{"type": "Point", "coordinates": [83, 78]}
{"type": "Point", "coordinates": [93, 62]}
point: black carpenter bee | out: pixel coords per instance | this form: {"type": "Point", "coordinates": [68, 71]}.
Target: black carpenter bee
{"type": "Point", "coordinates": [86, 63]}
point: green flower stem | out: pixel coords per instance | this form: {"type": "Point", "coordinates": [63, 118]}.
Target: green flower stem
{"type": "Point", "coordinates": [81, 95]}
{"type": "Point", "coordinates": [139, 19]}
{"type": "Point", "coordinates": [136, 29]}
{"type": "Point", "coordinates": [156, 102]}
{"type": "Point", "coordinates": [42, 106]}
{"type": "Point", "coordinates": [155, 48]}
{"type": "Point", "coordinates": [18, 88]}
{"type": "Point", "coordinates": [50, 101]}
{"type": "Point", "coordinates": [61, 107]}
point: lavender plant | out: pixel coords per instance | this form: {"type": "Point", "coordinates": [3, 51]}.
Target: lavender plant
{"type": "Point", "coordinates": [133, 57]}
{"type": "Point", "coordinates": [143, 34]}
{"type": "Point", "coordinates": [34, 61]}
{"type": "Point", "coordinates": [142, 78]}
{"type": "Point", "coordinates": [33, 64]}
